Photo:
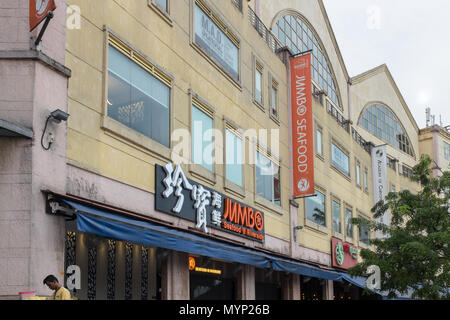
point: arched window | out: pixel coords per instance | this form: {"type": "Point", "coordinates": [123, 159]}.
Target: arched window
{"type": "Point", "coordinates": [383, 123]}
{"type": "Point", "coordinates": [294, 33]}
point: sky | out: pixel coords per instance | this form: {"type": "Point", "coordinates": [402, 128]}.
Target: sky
{"type": "Point", "coordinates": [412, 37]}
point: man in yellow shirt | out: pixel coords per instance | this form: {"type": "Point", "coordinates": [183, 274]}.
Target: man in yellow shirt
{"type": "Point", "coordinates": [59, 293]}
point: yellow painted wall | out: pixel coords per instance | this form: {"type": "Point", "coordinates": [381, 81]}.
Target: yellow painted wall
{"type": "Point", "coordinates": [427, 139]}
{"type": "Point", "coordinates": [167, 45]}
{"type": "Point", "coordinates": [336, 185]}
{"type": "Point", "coordinates": [330, 180]}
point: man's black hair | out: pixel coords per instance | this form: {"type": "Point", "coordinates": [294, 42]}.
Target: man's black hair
{"type": "Point", "coordinates": [50, 278]}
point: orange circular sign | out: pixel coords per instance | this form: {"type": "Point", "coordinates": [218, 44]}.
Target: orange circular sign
{"type": "Point", "coordinates": [191, 263]}
{"type": "Point", "coordinates": [259, 221]}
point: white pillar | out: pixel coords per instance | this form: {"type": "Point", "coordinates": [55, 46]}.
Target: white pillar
{"type": "Point", "coordinates": [245, 283]}
{"type": "Point", "coordinates": [328, 290]}
{"type": "Point", "coordinates": [175, 277]}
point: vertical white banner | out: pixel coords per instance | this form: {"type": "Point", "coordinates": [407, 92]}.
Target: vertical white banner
{"type": "Point", "coordinates": [379, 165]}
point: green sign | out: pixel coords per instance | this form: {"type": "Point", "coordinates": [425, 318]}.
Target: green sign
{"type": "Point", "coordinates": [354, 252]}
{"type": "Point", "coordinates": [339, 254]}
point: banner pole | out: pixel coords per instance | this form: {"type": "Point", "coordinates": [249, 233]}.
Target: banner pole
{"type": "Point", "coordinates": [308, 196]}
{"type": "Point", "coordinates": [50, 15]}
{"type": "Point", "coordinates": [301, 53]}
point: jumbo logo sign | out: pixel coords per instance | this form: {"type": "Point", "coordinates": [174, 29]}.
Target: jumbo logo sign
{"type": "Point", "coordinates": [244, 220]}
{"type": "Point", "coordinates": [177, 195]}
{"type": "Point", "coordinates": [302, 127]}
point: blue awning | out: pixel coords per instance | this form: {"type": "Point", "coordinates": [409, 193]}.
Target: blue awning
{"type": "Point", "coordinates": [110, 225]}
{"type": "Point", "coordinates": [361, 282]}
{"type": "Point", "coordinates": [304, 269]}
{"type": "Point", "coordinates": [356, 281]}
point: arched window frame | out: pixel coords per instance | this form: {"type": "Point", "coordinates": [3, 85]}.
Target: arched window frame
{"type": "Point", "coordinates": [318, 55]}
{"type": "Point", "coordinates": [386, 123]}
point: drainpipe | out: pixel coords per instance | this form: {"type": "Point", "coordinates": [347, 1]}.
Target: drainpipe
{"type": "Point", "coordinates": [349, 83]}
{"type": "Point", "coordinates": [293, 205]}
{"type": "Point", "coordinates": [257, 8]}
{"type": "Point", "coordinates": [285, 55]}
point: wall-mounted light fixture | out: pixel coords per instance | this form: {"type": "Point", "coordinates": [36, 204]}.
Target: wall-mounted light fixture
{"type": "Point", "coordinates": [296, 228]}
{"type": "Point", "coordinates": [56, 116]}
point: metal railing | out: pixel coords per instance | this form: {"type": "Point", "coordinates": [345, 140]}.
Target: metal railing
{"type": "Point", "coordinates": [406, 172]}
{"type": "Point", "coordinates": [263, 31]}
{"type": "Point", "coordinates": [338, 117]}
{"type": "Point", "coordinates": [363, 143]}
{"type": "Point", "coordinates": [237, 4]}
{"type": "Point", "coordinates": [275, 45]}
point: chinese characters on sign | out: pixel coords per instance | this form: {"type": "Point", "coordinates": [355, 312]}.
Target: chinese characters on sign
{"type": "Point", "coordinates": [201, 198]}
{"type": "Point", "coordinates": [175, 180]}
{"type": "Point", "coordinates": [177, 195]}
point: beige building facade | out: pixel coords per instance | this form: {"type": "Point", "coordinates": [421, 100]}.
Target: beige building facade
{"type": "Point", "coordinates": [435, 142]}
{"type": "Point", "coordinates": [177, 167]}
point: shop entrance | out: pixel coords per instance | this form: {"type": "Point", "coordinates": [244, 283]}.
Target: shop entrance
{"type": "Point", "coordinates": [267, 284]}
{"type": "Point", "coordinates": [347, 291]}
{"type": "Point", "coordinates": [211, 279]}
{"type": "Point", "coordinates": [311, 288]}
{"type": "Point", "coordinates": [113, 269]}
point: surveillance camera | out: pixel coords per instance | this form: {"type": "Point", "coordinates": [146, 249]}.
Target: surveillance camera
{"type": "Point", "coordinates": [59, 115]}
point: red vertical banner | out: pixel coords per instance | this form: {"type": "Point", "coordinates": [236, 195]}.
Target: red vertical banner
{"type": "Point", "coordinates": [302, 127]}
{"type": "Point", "coordinates": [39, 10]}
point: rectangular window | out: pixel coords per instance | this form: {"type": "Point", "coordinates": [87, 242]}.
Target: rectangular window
{"type": "Point", "coordinates": [202, 138]}
{"type": "Point", "coordinates": [358, 174]}
{"type": "Point", "coordinates": [234, 159]}
{"type": "Point", "coordinates": [137, 99]}
{"type": "Point", "coordinates": [274, 99]}
{"type": "Point", "coordinates": [366, 180]}
{"type": "Point", "coordinates": [319, 145]}
{"type": "Point", "coordinates": [407, 172]}
{"type": "Point", "coordinates": [340, 159]}
{"type": "Point", "coordinates": [364, 232]}
{"type": "Point", "coordinates": [315, 208]}
{"type": "Point", "coordinates": [258, 85]}
{"type": "Point", "coordinates": [163, 4]}
{"type": "Point", "coordinates": [267, 179]}
{"type": "Point", "coordinates": [216, 41]}
{"type": "Point", "coordinates": [258, 82]}
{"type": "Point", "coordinates": [391, 163]}
{"type": "Point", "coordinates": [336, 211]}
{"type": "Point", "coordinates": [446, 151]}
{"type": "Point", "coordinates": [348, 222]}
